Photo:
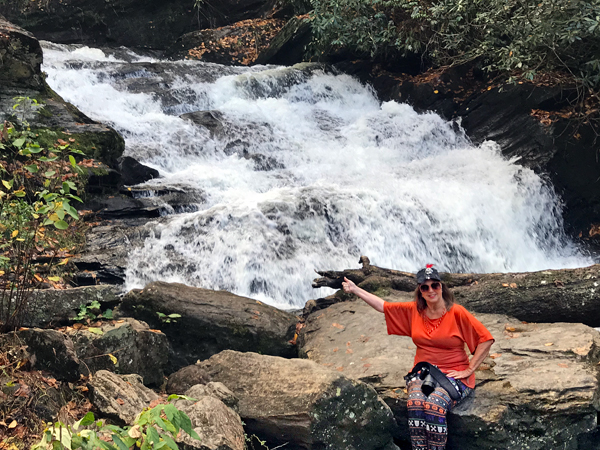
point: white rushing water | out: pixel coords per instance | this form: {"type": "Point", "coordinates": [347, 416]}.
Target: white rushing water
{"type": "Point", "coordinates": [345, 176]}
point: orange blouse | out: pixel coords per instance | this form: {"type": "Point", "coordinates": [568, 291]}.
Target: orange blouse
{"type": "Point", "coordinates": [444, 346]}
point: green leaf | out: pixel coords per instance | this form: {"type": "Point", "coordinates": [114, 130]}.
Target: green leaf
{"type": "Point", "coordinates": [60, 212]}
{"type": "Point", "coordinates": [33, 168]}
{"type": "Point", "coordinates": [186, 424]}
{"type": "Point", "coordinates": [77, 152]}
{"type": "Point", "coordinates": [55, 279]}
{"type": "Point", "coordinates": [74, 197]}
{"type": "Point", "coordinates": [61, 225]}
{"type": "Point", "coordinates": [72, 160]}
{"type": "Point", "coordinates": [71, 211]}
{"type": "Point", "coordinates": [49, 173]}
{"type": "Point", "coordinates": [8, 184]}
{"type": "Point", "coordinates": [117, 440]}
{"type": "Point", "coordinates": [20, 194]}
{"type": "Point", "coordinates": [35, 148]}
{"type": "Point", "coordinates": [174, 316]}
{"type": "Point", "coordinates": [153, 436]}
{"type": "Point", "coordinates": [95, 330]}
{"type": "Point", "coordinates": [88, 419]}
{"type": "Point", "coordinates": [171, 443]}
{"type": "Point", "coordinates": [71, 185]}
{"type": "Point", "coordinates": [66, 187]}
{"type": "Point", "coordinates": [48, 158]}
{"type": "Point", "coordinates": [19, 142]}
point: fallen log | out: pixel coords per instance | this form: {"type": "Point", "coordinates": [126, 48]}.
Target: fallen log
{"type": "Point", "coordinates": [566, 295]}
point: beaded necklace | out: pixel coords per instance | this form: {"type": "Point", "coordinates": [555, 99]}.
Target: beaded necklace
{"type": "Point", "coordinates": [432, 324]}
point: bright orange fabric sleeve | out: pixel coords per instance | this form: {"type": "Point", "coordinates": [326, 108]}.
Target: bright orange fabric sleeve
{"type": "Point", "coordinates": [398, 317]}
{"type": "Point", "coordinates": [472, 330]}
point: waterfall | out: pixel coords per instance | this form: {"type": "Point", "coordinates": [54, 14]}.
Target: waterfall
{"type": "Point", "coordinates": [306, 169]}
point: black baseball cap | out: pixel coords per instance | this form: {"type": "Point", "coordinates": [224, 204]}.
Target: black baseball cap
{"type": "Point", "coordinates": [428, 273]}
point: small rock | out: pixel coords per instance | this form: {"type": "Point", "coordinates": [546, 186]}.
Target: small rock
{"type": "Point", "coordinates": [119, 397]}
{"type": "Point", "coordinates": [185, 378]}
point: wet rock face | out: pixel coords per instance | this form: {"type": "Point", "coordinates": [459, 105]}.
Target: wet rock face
{"type": "Point", "coordinates": [303, 404]}
{"type": "Point", "coordinates": [211, 321]}
{"type": "Point", "coordinates": [132, 23]}
{"type": "Point", "coordinates": [538, 390]}
{"type": "Point", "coordinates": [20, 57]}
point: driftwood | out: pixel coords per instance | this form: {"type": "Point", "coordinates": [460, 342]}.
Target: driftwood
{"type": "Point", "coordinates": [566, 295]}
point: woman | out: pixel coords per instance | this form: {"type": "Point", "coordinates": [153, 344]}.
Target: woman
{"type": "Point", "coordinates": [439, 329]}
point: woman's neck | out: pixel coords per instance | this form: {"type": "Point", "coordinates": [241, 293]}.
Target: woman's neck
{"type": "Point", "coordinates": [435, 311]}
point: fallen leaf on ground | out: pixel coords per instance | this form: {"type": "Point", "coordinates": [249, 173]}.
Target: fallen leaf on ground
{"type": "Point", "coordinates": [563, 365]}
{"type": "Point", "coordinates": [495, 355]}
{"type": "Point", "coordinates": [13, 424]}
{"type": "Point", "coordinates": [548, 344]}
{"type": "Point", "coordinates": [513, 285]}
{"type": "Point", "coordinates": [337, 325]}
{"type": "Point", "coordinates": [349, 350]}
{"type": "Point", "coordinates": [120, 401]}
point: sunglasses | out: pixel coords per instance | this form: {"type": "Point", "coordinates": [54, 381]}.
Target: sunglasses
{"type": "Point", "coordinates": [435, 286]}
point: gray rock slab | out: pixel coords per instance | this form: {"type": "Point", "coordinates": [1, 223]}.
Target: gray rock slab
{"type": "Point", "coordinates": [302, 404]}
{"type": "Point", "coordinates": [55, 306]}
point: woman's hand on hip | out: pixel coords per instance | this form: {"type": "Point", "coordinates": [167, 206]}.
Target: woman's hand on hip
{"type": "Point", "coordinates": [460, 374]}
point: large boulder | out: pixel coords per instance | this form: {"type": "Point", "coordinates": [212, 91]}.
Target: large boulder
{"type": "Point", "coordinates": [302, 404]}
{"type": "Point", "coordinates": [152, 24]}
{"type": "Point", "coordinates": [52, 351]}
{"type": "Point", "coordinates": [211, 321]}
{"type": "Point", "coordinates": [137, 349]}
{"type": "Point", "coordinates": [119, 397]}
{"type": "Point", "coordinates": [538, 389]}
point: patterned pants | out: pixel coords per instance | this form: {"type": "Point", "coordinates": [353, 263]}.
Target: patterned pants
{"type": "Point", "coordinates": [427, 415]}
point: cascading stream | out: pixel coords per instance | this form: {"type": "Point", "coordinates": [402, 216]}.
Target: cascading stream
{"type": "Point", "coordinates": [306, 169]}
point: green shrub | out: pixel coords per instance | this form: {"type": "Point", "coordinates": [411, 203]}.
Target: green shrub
{"type": "Point", "coordinates": [152, 429]}
{"type": "Point", "coordinates": [37, 188]}
{"type": "Point", "coordinates": [525, 36]}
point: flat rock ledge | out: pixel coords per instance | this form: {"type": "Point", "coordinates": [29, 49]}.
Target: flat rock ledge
{"type": "Point", "coordinates": [302, 404]}
{"type": "Point", "coordinates": [539, 388]}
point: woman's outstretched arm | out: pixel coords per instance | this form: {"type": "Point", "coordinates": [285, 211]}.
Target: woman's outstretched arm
{"type": "Point", "coordinates": [369, 298]}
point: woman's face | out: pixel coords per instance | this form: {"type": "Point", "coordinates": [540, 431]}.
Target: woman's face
{"type": "Point", "coordinates": [431, 291]}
